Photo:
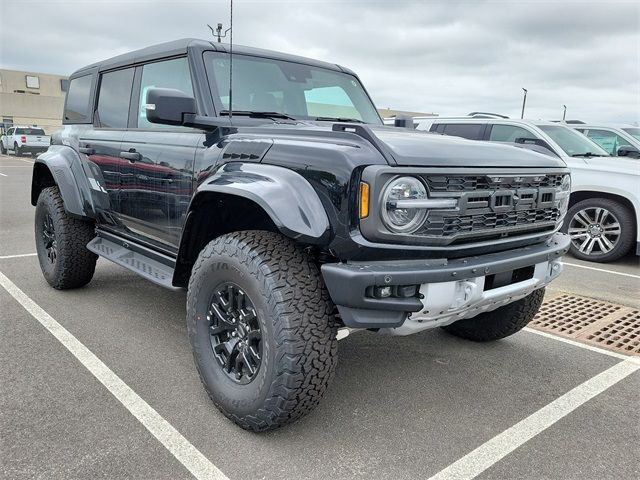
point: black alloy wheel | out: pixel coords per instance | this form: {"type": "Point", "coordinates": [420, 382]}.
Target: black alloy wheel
{"type": "Point", "coordinates": [49, 239]}
{"type": "Point", "coordinates": [236, 338]}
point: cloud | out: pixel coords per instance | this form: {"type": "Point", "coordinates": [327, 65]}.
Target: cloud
{"type": "Point", "coordinates": [449, 57]}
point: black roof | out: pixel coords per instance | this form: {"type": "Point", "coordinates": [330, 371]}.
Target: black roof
{"type": "Point", "coordinates": [178, 47]}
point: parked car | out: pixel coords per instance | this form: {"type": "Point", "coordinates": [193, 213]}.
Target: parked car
{"type": "Point", "coordinates": [291, 215]}
{"type": "Point", "coordinates": [620, 140]}
{"type": "Point", "coordinates": [605, 201]}
{"type": "Point", "coordinates": [23, 140]}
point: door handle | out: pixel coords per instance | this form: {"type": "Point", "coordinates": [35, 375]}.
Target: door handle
{"type": "Point", "coordinates": [87, 150]}
{"type": "Point", "coordinates": [131, 155]}
{"type": "Point", "coordinates": [167, 180]}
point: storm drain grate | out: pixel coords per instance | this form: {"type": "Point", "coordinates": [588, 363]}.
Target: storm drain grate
{"type": "Point", "coordinates": [622, 334]}
{"type": "Point", "coordinates": [569, 314]}
{"type": "Point", "coordinates": [603, 324]}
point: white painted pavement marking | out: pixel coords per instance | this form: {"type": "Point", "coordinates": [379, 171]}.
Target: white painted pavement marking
{"type": "Point", "coordinates": [20, 255]}
{"type": "Point", "coordinates": [494, 450]}
{"type": "Point", "coordinates": [592, 348]}
{"type": "Point", "coordinates": [602, 270]}
{"type": "Point", "coordinates": [185, 452]}
{"type": "Point", "coordinates": [22, 160]}
{"type": "Point", "coordinates": [4, 175]}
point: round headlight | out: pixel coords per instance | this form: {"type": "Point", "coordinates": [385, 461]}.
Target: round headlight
{"type": "Point", "coordinates": [400, 218]}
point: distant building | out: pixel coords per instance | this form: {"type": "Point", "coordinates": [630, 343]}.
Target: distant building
{"type": "Point", "coordinates": [389, 113]}
{"type": "Point", "coordinates": [29, 98]}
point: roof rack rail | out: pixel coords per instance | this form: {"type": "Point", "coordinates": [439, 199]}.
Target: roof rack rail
{"type": "Point", "coordinates": [486, 115]}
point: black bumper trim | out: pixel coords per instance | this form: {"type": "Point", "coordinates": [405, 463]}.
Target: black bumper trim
{"type": "Point", "coordinates": [347, 282]}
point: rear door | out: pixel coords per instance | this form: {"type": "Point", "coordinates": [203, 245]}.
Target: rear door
{"type": "Point", "coordinates": [101, 142]}
{"type": "Point", "coordinates": [158, 185]}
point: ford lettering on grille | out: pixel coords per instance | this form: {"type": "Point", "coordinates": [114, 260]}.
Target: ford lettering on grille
{"type": "Point", "coordinates": [500, 201]}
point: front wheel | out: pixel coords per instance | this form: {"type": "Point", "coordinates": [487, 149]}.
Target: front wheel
{"type": "Point", "coordinates": [61, 243]}
{"type": "Point", "coordinates": [601, 230]}
{"type": "Point", "coordinates": [261, 327]}
{"type": "Point", "coordinates": [3, 150]}
{"type": "Point", "coordinates": [499, 323]}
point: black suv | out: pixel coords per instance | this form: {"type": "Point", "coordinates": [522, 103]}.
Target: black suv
{"type": "Point", "coordinates": [289, 216]}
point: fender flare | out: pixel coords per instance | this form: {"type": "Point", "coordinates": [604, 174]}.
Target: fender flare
{"type": "Point", "coordinates": [67, 170]}
{"type": "Point", "coordinates": [286, 196]}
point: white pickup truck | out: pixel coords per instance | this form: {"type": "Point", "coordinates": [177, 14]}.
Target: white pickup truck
{"type": "Point", "coordinates": [24, 140]}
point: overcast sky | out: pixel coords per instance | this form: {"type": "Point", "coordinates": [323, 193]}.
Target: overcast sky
{"type": "Point", "coordinates": [448, 57]}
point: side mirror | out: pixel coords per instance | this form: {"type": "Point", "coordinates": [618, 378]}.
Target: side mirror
{"type": "Point", "coordinates": [404, 121]}
{"type": "Point", "coordinates": [628, 151]}
{"type": "Point", "coordinates": [168, 106]}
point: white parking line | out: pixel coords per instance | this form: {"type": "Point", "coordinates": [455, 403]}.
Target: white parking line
{"type": "Point", "coordinates": [185, 452]}
{"type": "Point", "coordinates": [494, 450]}
{"type": "Point", "coordinates": [20, 255]}
{"type": "Point", "coordinates": [602, 270]}
{"type": "Point", "coordinates": [4, 175]}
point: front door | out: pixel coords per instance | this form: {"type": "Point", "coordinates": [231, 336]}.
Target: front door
{"type": "Point", "coordinates": [158, 181]}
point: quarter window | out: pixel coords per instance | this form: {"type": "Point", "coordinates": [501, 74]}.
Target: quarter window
{"type": "Point", "coordinates": [114, 98]}
{"type": "Point", "coordinates": [168, 74]}
{"type": "Point", "coordinates": [78, 100]}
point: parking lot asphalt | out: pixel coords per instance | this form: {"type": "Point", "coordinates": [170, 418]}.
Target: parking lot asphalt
{"type": "Point", "coordinates": [408, 407]}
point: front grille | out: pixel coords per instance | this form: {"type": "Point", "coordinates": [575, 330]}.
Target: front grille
{"type": "Point", "coordinates": [470, 183]}
{"type": "Point", "coordinates": [505, 206]}
{"type": "Point", "coordinates": [446, 226]}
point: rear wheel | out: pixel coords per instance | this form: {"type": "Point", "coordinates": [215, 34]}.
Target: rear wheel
{"type": "Point", "coordinates": [61, 243]}
{"type": "Point", "coordinates": [261, 328]}
{"type": "Point", "coordinates": [601, 230]}
{"type": "Point", "coordinates": [17, 150]}
{"type": "Point", "coordinates": [499, 323]}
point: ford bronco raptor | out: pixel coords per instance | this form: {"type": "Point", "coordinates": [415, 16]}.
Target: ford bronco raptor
{"type": "Point", "coordinates": [287, 210]}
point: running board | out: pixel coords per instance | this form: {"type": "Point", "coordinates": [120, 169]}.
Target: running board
{"type": "Point", "coordinates": [138, 262]}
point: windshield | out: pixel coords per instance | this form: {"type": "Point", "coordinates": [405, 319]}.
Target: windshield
{"type": "Point", "coordinates": [572, 142]}
{"type": "Point", "coordinates": [634, 132]}
{"type": "Point", "coordinates": [287, 88]}
{"type": "Point", "coordinates": [29, 131]}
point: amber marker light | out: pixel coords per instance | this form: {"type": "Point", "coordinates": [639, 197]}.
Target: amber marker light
{"type": "Point", "coordinates": [364, 200]}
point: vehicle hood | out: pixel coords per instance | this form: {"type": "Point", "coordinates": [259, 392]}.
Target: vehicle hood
{"type": "Point", "coordinates": [418, 148]}
{"type": "Point", "coordinates": [622, 165]}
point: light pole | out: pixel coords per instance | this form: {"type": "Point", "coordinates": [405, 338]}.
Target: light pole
{"type": "Point", "coordinates": [524, 102]}
{"type": "Point", "coordinates": [564, 114]}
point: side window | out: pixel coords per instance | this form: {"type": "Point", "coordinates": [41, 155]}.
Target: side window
{"type": "Point", "coordinates": [77, 107]}
{"type": "Point", "coordinates": [508, 133]}
{"type": "Point", "coordinates": [10, 131]}
{"type": "Point", "coordinates": [167, 74]}
{"type": "Point", "coordinates": [608, 140]}
{"type": "Point", "coordinates": [114, 98]}
{"type": "Point", "coordinates": [464, 130]}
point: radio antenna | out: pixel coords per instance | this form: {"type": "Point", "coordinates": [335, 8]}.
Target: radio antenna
{"type": "Point", "coordinates": [231, 63]}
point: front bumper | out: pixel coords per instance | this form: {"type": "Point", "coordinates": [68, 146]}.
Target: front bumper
{"type": "Point", "coordinates": [450, 290]}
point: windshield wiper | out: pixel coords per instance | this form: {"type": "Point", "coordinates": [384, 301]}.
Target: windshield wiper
{"type": "Point", "coordinates": [257, 114]}
{"type": "Point", "coordinates": [588, 154]}
{"type": "Point", "coordinates": [338, 119]}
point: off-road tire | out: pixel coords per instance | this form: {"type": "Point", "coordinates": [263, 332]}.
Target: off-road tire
{"type": "Point", "coordinates": [299, 346]}
{"type": "Point", "coordinates": [17, 150]}
{"type": "Point", "coordinates": [499, 323]}
{"type": "Point", "coordinates": [624, 242]}
{"type": "Point", "coordinates": [74, 264]}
